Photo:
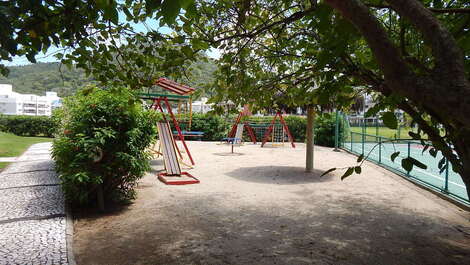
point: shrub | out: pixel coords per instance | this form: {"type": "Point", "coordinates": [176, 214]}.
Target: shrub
{"type": "Point", "coordinates": [101, 145]}
{"type": "Point", "coordinates": [325, 130]}
{"type": "Point", "coordinates": [23, 125]}
{"type": "Point", "coordinates": [297, 127]}
{"type": "Point", "coordinates": [214, 127]}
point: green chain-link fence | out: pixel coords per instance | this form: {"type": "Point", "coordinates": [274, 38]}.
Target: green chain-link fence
{"type": "Point", "coordinates": [378, 149]}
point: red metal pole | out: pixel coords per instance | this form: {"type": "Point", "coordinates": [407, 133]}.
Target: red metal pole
{"type": "Point", "coordinates": [232, 132]}
{"type": "Point", "coordinates": [268, 132]}
{"type": "Point", "coordinates": [250, 132]}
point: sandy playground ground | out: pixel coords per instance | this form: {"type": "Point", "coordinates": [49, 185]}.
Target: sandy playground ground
{"type": "Point", "coordinates": [259, 207]}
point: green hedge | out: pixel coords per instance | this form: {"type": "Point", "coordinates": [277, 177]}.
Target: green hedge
{"type": "Point", "coordinates": [28, 125]}
{"type": "Point", "coordinates": [214, 127]}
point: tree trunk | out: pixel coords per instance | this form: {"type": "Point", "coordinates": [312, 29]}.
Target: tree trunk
{"type": "Point", "coordinates": [462, 148]}
{"type": "Point", "coordinates": [310, 120]}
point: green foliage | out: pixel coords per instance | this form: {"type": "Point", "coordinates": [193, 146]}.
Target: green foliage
{"type": "Point", "coordinates": [325, 130]}
{"type": "Point", "coordinates": [297, 127]}
{"type": "Point", "coordinates": [23, 125]}
{"type": "Point", "coordinates": [214, 127]}
{"type": "Point", "coordinates": [41, 77]}
{"type": "Point", "coordinates": [390, 120]}
{"type": "Point", "coordinates": [102, 142]}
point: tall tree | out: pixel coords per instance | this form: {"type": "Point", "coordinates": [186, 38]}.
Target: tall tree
{"type": "Point", "coordinates": [414, 54]}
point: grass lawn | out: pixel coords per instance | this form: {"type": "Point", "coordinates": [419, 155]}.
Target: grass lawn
{"type": "Point", "coordinates": [13, 145]}
{"type": "Point", "coordinates": [385, 132]}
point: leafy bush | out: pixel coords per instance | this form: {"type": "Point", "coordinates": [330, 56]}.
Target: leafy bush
{"type": "Point", "coordinates": [297, 127]}
{"type": "Point", "coordinates": [23, 125]}
{"type": "Point", "coordinates": [325, 130]}
{"type": "Point", "coordinates": [214, 127]}
{"type": "Point", "coordinates": [101, 145]}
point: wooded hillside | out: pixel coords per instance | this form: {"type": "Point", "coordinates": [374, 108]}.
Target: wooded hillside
{"type": "Point", "coordinates": [40, 77]}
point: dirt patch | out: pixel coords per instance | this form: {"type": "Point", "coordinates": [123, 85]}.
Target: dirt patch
{"type": "Point", "coordinates": [262, 208]}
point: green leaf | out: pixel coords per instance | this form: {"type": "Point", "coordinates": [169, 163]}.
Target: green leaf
{"type": "Point", "coordinates": [426, 146]}
{"type": "Point", "coordinates": [347, 173]}
{"type": "Point", "coordinates": [360, 158]}
{"type": "Point", "coordinates": [394, 156]}
{"type": "Point", "coordinates": [442, 165]}
{"type": "Point", "coordinates": [390, 120]}
{"type": "Point", "coordinates": [418, 163]}
{"type": "Point", "coordinates": [373, 110]}
{"type": "Point", "coordinates": [433, 152]}
{"type": "Point", "coordinates": [414, 135]}
{"type": "Point", "coordinates": [358, 170]}
{"type": "Point", "coordinates": [4, 70]}
{"type": "Point", "coordinates": [199, 44]}
{"type": "Point", "coordinates": [407, 164]}
{"type": "Point", "coordinates": [328, 171]}
{"type": "Point", "coordinates": [151, 5]}
{"type": "Point", "coordinates": [187, 51]}
{"type": "Point", "coordinates": [170, 10]}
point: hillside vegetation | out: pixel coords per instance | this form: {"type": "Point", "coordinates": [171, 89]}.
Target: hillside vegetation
{"type": "Point", "coordinates": [40, 77]}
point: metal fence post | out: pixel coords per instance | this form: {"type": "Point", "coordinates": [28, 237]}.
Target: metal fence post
{"type": "Point", "coordinates": [363, 134]}
{"type": "Point", "coordinates": [351, 141]}
{"type": "Point", "coordinates": [363, 140]}
{"type": "Point", "coordinates": [376, 126]}
{"type": "Point", "coordinates": [446, 184]}
{"type": "Point", "coordinates": [380, 149]}
{"type": "Point", "coordinates": [336, 132]}
{"type": "Point", "coordinates": [409, 145]}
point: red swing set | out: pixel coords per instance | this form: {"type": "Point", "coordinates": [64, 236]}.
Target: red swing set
{"type": "Point", "coordinates": [245, 113]}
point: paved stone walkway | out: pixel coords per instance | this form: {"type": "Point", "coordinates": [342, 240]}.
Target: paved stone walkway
{"type": "Point", "coordinates": [32, 211]}
{"type": "Point", "coordinates": [8, 159]}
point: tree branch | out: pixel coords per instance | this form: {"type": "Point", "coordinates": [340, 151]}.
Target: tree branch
{"type": "Point", "coordinates": [443, 90]}
{"type": "Point", "coordinates": [435, 10]}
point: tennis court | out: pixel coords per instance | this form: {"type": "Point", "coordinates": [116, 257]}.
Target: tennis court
{"type": "Point", "coordinates": [447, 182]}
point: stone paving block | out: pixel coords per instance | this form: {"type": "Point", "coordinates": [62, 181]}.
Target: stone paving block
{"type": "Point", "coordinates": [33, 242]}
{"type": "Point", "coordinates": [38, 151]}
{"type": "Point", "coordinates": [28, 179]}
{"type": "Point", "coordinates": [25, 166]}
{"type": "Point", "coordinates": [34, 157]}
{"type": "Point", "coordinates": [31, 201]}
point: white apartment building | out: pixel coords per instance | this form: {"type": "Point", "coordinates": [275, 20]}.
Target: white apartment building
{"type": "Point", "coordinates": [201, 106]}
{"type": "Point", "coordinates": [12, 103]}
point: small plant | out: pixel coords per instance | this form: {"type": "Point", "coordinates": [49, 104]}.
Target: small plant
{"type": "Point", "coordinates": [100, 150]}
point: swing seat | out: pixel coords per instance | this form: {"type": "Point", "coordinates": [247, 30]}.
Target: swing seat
{"type": "Point", "coordinates": [232, 140]}
{"type": "Point", "coordinates": [237, 140]}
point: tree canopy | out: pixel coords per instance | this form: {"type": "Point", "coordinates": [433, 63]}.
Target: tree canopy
{"type": "Point", "coordinates": [411, 54]}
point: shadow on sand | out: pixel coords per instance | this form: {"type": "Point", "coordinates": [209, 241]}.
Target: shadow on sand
{"type": "Point", "coordinates": [278, 175]}
{"type": "Point", "coordinates": [350, 231]}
